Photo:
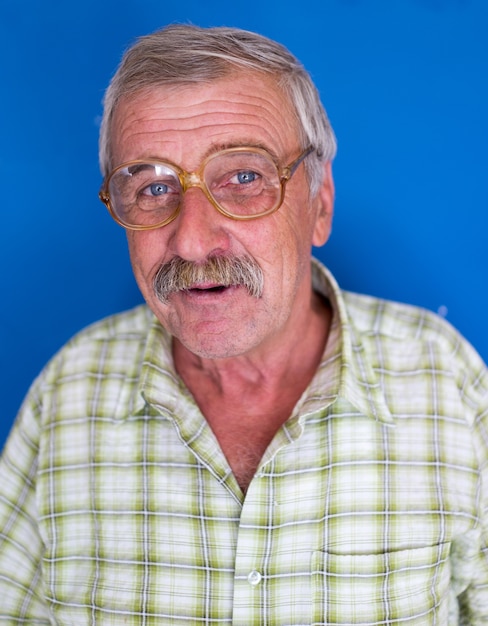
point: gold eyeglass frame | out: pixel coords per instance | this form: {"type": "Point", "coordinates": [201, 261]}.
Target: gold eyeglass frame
{"type": "Point", "coordinates": [194, 179]}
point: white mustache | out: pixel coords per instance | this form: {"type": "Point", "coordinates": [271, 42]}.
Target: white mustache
{"type": "Point", "coordinates": [225, 271]}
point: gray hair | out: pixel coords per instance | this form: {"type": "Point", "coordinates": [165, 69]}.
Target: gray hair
{"type": "Point", "coordinates": [185, 54]}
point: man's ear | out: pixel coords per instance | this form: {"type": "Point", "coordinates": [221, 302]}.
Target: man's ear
{"type": "Point", "coordinates": [324, 208]}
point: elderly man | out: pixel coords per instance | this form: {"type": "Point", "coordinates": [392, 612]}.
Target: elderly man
{"type": "Point", "coordinates": [253, 446]}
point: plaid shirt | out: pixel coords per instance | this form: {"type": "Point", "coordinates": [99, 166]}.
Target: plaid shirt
{"type": "Point", "coordinates": [117, 505]}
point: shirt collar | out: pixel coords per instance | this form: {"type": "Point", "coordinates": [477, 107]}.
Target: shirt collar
{"type": "Point", "coordinates": [159, 384]}
{"type": "Point", "coordinates": [346, 370]}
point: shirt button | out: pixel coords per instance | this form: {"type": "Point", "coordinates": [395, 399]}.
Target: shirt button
{"type": "Point", "coordinates": [254, 578]}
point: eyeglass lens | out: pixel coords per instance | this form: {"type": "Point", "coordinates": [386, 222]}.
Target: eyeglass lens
{"type": "Point", "coordinates": [241, 183]}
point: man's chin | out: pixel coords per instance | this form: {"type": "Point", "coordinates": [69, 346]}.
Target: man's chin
{"type": "Point", "coordinates": [211, 323]}
{"type": "Point", "coordinates": [218, 338]}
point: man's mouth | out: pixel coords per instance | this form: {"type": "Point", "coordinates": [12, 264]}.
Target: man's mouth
{"type": "Point", "coordinates": [202, 289]}
{"type": "Point", "coordinates": [217, 275]}
{"type": "Point", "coordinates": [216, 288]}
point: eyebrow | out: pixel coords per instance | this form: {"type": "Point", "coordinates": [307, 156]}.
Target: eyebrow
{"type": "Point", "coordinates": [135, 168]}
{"type": "Point", "coordinates": [228, 145]}
{"type": "Point", "coordinates": [218, 147]}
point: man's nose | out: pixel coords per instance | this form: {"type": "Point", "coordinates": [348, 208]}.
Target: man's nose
{"type": "Point", "coordinates": [199, 229]}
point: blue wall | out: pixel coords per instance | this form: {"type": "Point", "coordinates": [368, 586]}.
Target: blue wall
{"type": "Point", "coordinates": [404, 82]}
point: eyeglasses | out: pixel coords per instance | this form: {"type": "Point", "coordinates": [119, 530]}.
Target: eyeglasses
{"type": "Point", "coordinates": [241, 183]}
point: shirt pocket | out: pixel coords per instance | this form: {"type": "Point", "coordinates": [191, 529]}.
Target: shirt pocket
{"type": "Point", "coordinates": [408, 587]}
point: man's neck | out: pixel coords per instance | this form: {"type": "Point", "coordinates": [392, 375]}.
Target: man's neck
{"type": "Point", "coordinates": [246, 399]}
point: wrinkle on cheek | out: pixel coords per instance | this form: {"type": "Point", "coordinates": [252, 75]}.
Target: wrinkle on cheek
{"type": "Point", "coordinates": [146, 253]}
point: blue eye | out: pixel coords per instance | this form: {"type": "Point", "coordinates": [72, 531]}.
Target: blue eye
{"type": "Point", "coordinates": [156, 189]}
{"type": "Point", "coordinates": [246, 177]}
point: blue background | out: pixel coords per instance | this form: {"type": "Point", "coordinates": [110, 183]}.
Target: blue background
{"type": "Point", "coordinates": [404, 83]}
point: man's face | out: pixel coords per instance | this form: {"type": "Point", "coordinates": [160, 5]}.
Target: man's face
{"type": "Point", "coordinates": [184, 125]}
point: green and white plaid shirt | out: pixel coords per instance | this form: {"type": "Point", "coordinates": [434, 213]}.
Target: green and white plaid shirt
{"type": "Point", "coordinates": [117, 505]}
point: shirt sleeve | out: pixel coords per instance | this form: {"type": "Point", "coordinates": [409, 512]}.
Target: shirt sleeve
{"type": "Point", "coordinates": [21, 547]}
{"type": "Point", "coordinates": [473, 602]}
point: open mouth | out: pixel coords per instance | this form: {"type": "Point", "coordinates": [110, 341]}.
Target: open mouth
{"type": "Point", "coordinates": [213, 289]}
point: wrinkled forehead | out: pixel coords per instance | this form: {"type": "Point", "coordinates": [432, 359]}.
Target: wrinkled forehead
{"type": "Point", "coordinates": [163, 120]}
